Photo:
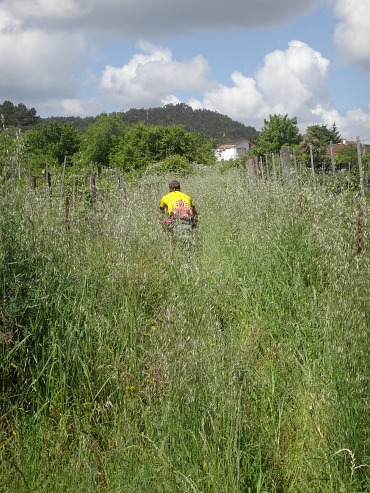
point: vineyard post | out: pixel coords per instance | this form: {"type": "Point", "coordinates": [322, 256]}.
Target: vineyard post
{"type": "Point", "coordinates": [332, 163]}
{"type": "Point", "coordinates": [63, 175]}
{"type": "Point", "coordinates": [285, 164]}
{"type": "Point", "coordinates": [74, 184]}
{"type": "Point", "coordinates": [273, 166]}
{"type": "Point", "coordinates": [29, 168]}
{"type": "Point", "coordinates": [261, 168]}
{"type": "Point", "coordinates": [84, 184]}
{"type": "Point", "coordinates": [92, 184]}
{"type": "Point", "coordinates": [67, 212]}
{"type": "Point", "coordinates": [362, 187]}
{"type": "Point", "coordinates": [312, 170]}
{"type": "Point", "coordinates": [47, 179]}
{"type": "Point", "coordinates": [295, 165]}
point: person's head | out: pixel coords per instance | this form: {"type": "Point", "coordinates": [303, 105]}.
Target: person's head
{"type": "Point", "coordinates": [174, 185]}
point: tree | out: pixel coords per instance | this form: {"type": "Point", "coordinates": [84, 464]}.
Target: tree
{"type": "Point", "coordinates": [319, 138]}
{"type": "Point", "coordinates": [101, 138]}
{"type": "Point", "coordinates": [17, 116]}
{"type": "Point", "coordinates": [334, 134]}
{"type": "Point", "coordinates": [53, 141]}
{"type": "Point", "coordinates": [277, 132]}
{"type": "Point", "coordinates": [142, 145]}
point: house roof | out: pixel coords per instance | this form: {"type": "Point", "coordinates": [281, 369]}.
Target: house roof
{"type": "Point", "coordinates": [229, 145]}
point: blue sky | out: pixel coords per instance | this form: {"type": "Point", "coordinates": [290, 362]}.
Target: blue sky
{"type": "Point", "coordinates": [247, 59]}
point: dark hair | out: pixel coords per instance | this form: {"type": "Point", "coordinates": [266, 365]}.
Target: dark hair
{"type": "Point", "coordinates": [174, 185]}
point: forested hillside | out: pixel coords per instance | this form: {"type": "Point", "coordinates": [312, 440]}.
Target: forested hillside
{"type": "Point", "coordinates": [210, 123]}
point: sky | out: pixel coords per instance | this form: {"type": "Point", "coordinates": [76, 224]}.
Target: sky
{"type": "Point", "coordinates": [246, 59]}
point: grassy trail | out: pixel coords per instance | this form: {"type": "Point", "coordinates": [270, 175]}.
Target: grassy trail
{"type": "Point", "coordinates": [128, 365]}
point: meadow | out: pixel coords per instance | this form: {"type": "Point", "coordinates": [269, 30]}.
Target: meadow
{"type": "Point", "coordinates": [240, 366]}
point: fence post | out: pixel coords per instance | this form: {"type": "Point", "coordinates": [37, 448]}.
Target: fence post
{"type": "Point", "coordinates": [33, 183]}
{"type": "Point", "coordinates": [267, 167]}
{"type": "Point", "coordinates": [67, 212]}
{"type": "Point", "coordinates": [261, 168]}
{"type": "Point", "coordinates": [29, 168]}
{"type": "Point", "coordinates": [84, 185]}
{"type": "Point", "coordinates": [47, 178]}
{"type": "Point", "coordinates": [63, 175]}
{"type": "Point", "coordinates": [285, 164]}
{"type": "Point", "coordinates": [74, 183]}
{"type": "Point", "coordinates": [273, 166]}
{"type": "Point", "coordinates": [362, 187]}
{"type": "Point", "coordinates": [312, 170]}
{"type": "Point", "coordinates": [92, 185]}
{"type": "Point", "coordinates": [332, 163]}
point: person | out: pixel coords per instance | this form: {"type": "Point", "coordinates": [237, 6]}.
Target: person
{"type": "Point", "coordinates": [179, 206]}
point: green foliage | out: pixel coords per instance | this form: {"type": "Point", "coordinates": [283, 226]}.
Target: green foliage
{"type": "Point", "coordinates": [319, 137]}
{"type": "Point", "coordinates": [100, 139]}
{"type": "Point", "coordinates": [53, 141]}
{"type": "Point", "coordinates": [278, 131]}
{"type": "Point", "coordinates": [144, 145]}
{"type": "Point", "coordinates": [17, 116]}
{"type": "Point", "coordinates": [333, 134]}
{"type": "Point", "coordinates": [174, 164]}
{"type": "Point", "coordinates": [348, 154]}
{"type": "Point", "coordinates": [13, 152]}
{"type": "Point", "coordinates": [209, 123]}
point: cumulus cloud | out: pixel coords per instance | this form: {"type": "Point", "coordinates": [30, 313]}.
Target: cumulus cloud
{"type": "Point", "coordinates": [35, 64]}
{"type": "Point", "coordinates": [152, 76]}
{"type": "Point", "coordinates": [290, 82]}
{"type": "Point", "coordinates": [352, 32]}
{"type": "Point", "coordinates": [354, 123]}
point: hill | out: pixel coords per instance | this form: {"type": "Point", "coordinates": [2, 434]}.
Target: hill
{"type": "Point", "coordinates": [210, 123]}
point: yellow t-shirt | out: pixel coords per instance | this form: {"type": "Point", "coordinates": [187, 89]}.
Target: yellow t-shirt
{"type": "Point", "coordinates": [177, 200]}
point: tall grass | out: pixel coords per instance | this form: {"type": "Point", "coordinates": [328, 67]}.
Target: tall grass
{"type": "Point", "coordinates": [128, 364]}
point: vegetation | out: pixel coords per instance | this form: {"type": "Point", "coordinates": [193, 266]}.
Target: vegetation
{"type": "Point", "coordinates": [130, 365]}
{"type": "Point", "coordinates": [318, 137]}
{"type": "Point", "coordinates": [278, 131]}
{"type": "Point", "coordinates": [210, 123]}
{"type": "Point", "coordinates": [17, 116]}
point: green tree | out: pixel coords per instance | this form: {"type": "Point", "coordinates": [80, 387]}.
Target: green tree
{"type": "Point", "coordinates": [319, 138]}
{"type": "Point", "coordinates": [278, 131]}
{"type": "Point", "coordinates": [53, 141]}
{"type": "Point", "coordinates": [143, 145]}
{"type": "Point", "coordinates": [17, 116]}
{"type": "Point", "coordinates": [100, 139]}
{"type": "Point", "coordinates": [335, 136]}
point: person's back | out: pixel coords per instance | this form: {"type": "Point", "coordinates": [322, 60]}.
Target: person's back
{"type": "Point", "coordinates": [179, 206]}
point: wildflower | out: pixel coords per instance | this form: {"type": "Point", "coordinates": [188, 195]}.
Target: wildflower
{"type": "Point", "coordinates": [14, 432]}
{"type": "Point", "coordinates": [153, 327]}
{"type": "Point", "coordinates": [130, 387]}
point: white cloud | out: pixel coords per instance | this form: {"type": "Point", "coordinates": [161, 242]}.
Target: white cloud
{"type": "Point", "coordinates": [290, 82]}
{"type": "Point", "coordinates": [38, 65]}
{"type": "Point", "coordinates": [353, 123]}
{"type": "Point", "coordinates": [352, 33]}
{"type": "Point", "coordinates": [72, 107]}
{"type": "Point", "coordinates": [152, 76]}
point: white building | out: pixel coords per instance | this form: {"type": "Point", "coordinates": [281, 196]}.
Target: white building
{"type": "Point", "coordinates": [233, 150]}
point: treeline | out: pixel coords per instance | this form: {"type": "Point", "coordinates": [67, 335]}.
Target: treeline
{"type": "Point", "coordinates": [209, 123]}
{"type": "Point", "coordinates": [109, 142]}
